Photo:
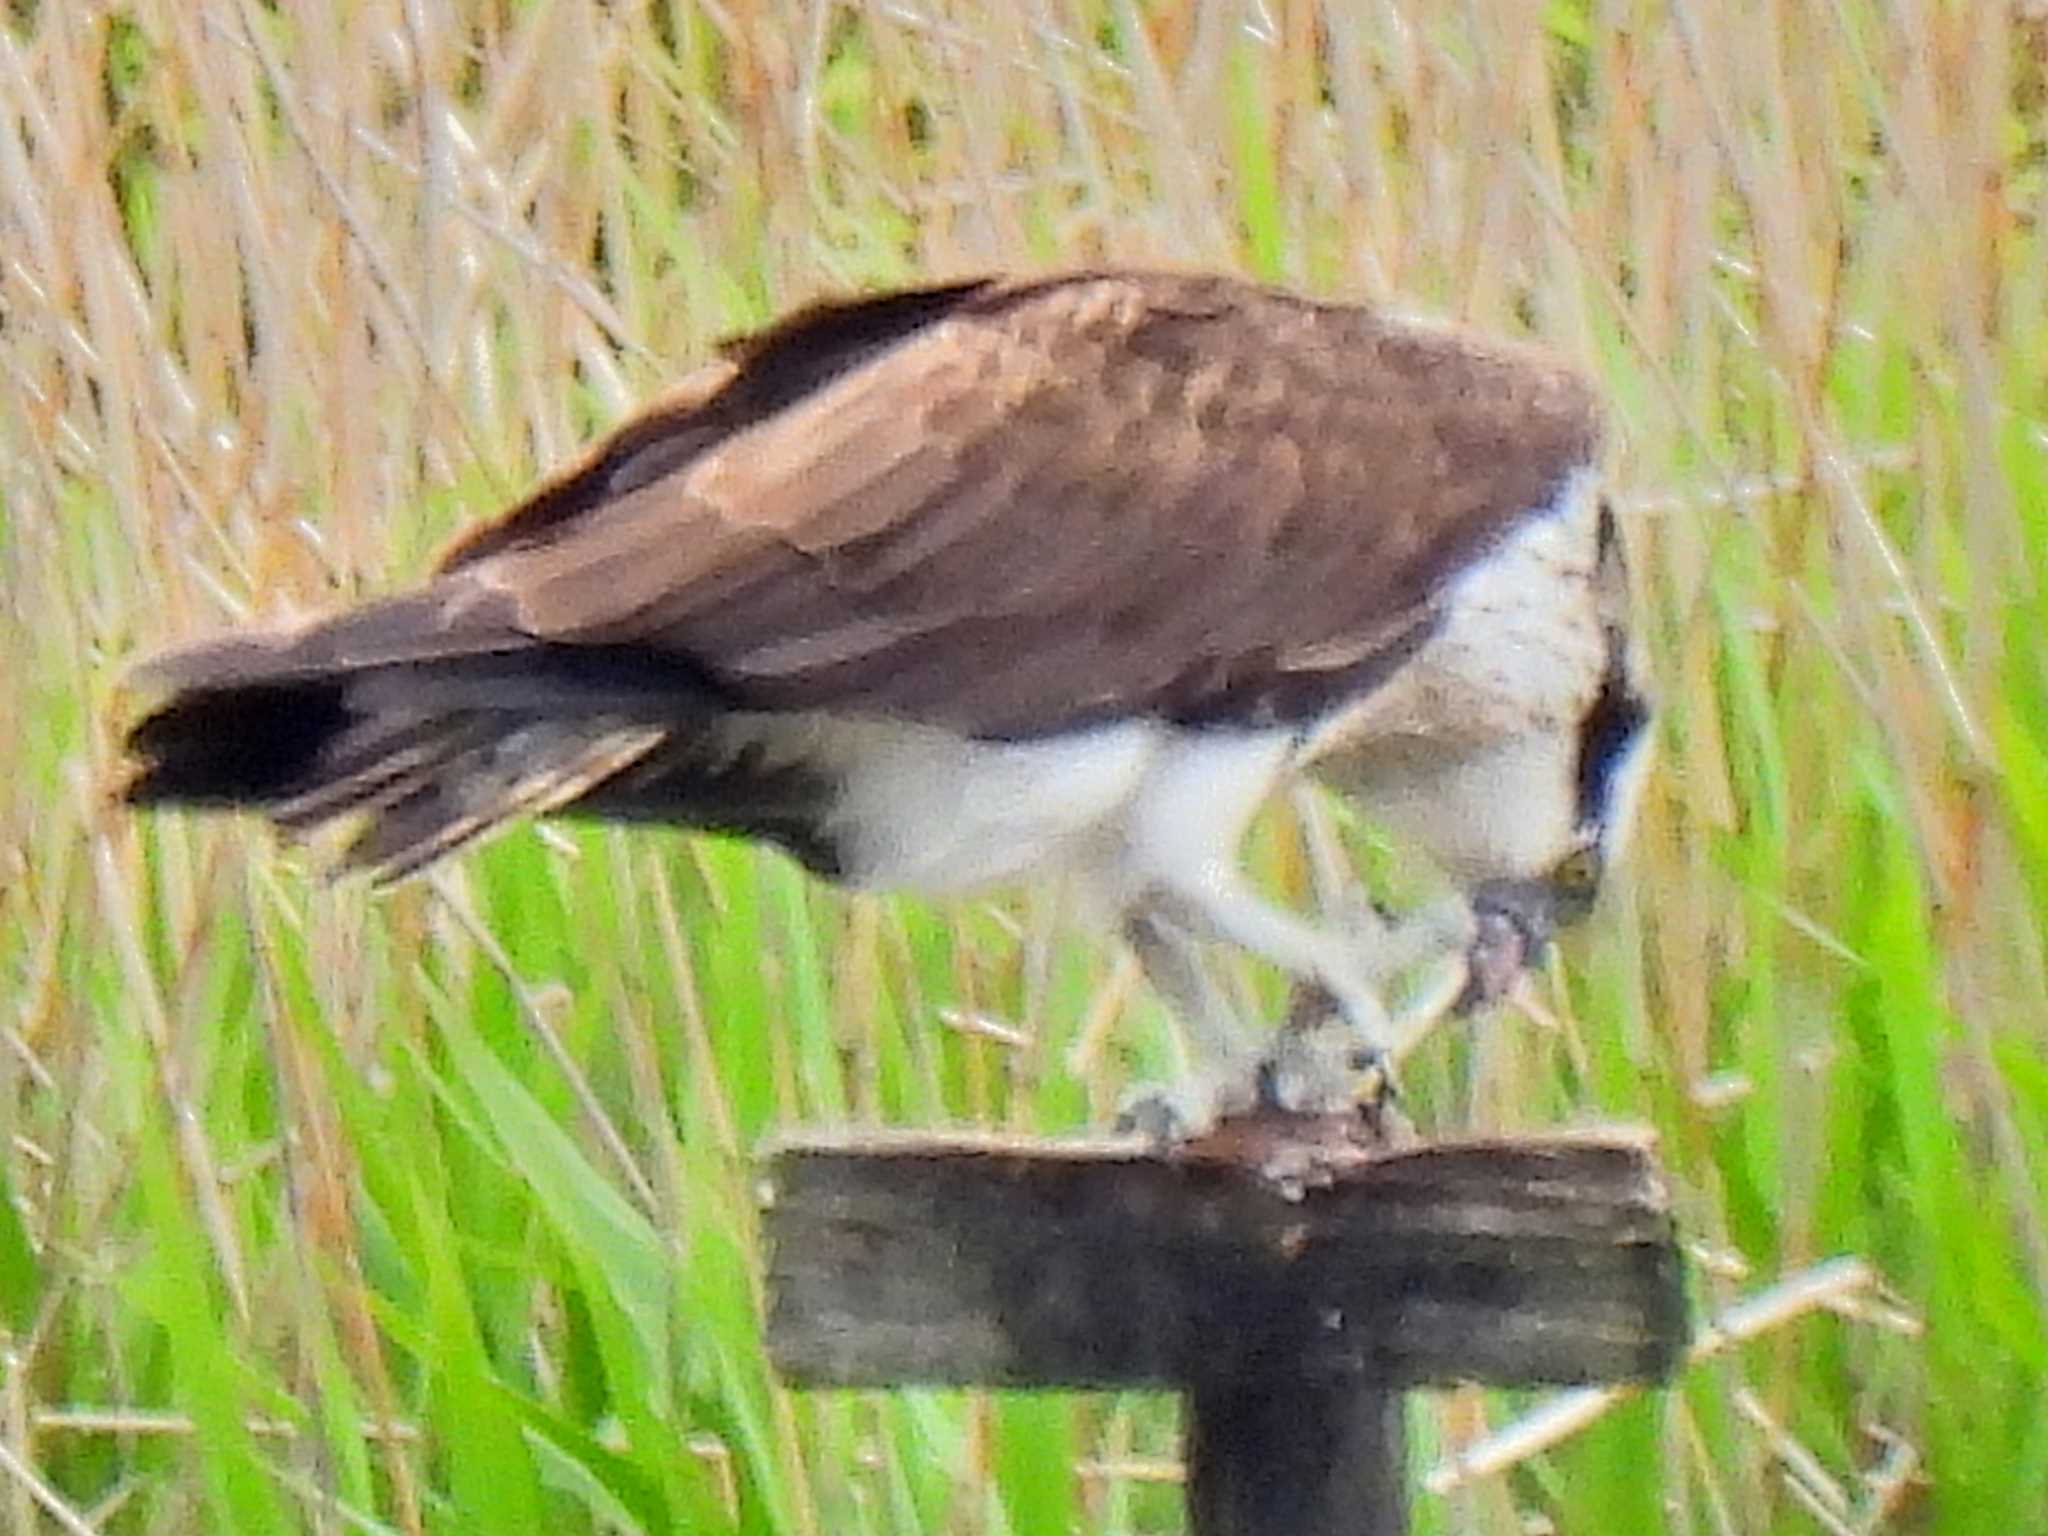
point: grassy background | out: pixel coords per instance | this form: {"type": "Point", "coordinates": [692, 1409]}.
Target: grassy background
{"type": "Point", "coordinates": [326, 1211]}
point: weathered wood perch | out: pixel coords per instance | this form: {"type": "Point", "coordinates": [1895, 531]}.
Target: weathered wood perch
{"type": "Point", "coordinates": [1289, 1281]}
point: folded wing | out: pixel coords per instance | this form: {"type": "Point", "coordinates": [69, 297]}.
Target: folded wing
{"type": "Point", "coordinates": [1004, 510]}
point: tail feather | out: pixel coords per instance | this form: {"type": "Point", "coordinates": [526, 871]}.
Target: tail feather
{"type": "Point", "coordinates": [424, 736]}
{"type": "Point", "coordinates": [422, 722]}
{"type": "Point", "coordinates": [443, 622]}
{"type": "Point", "coordinates": [247, 745]}
{"type": "Point", "coordinates": [538, 767]}
{"type": "Point", "coordinates": [379, 761]}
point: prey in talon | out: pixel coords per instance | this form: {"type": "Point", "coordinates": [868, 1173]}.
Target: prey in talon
{"type": "Point", "coordinates": [1007, 579]}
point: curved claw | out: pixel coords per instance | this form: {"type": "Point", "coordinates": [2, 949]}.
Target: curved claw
{"type": "Point", "coordinates": [1376, 1084]}
{"type": "Point", "coordinates": [1168, 1117]}
{"type": "Point", "coordinates": [1324, 1062]}
{"type": "Point", "coordinates": [1153, 1117]}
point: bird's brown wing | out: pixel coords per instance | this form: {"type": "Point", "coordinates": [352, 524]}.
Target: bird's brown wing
{"type": "Point", "coordinates": [1001, 509]}
{"type": "Point", "coordinates": [1017, 509]}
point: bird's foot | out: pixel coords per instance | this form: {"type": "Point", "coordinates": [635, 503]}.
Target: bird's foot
{"type": "Point", "coordinates": [1330, 1056]}
{"type": "Point", "coordinates": [1169, 1116]}
{"type": "Point", "coordinates": [1324, 1080]}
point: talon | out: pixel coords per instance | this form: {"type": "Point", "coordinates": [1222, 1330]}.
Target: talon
{"type": "Point", "coordinates": [1170, 1117]}
{"type": "Point", "coordinates": [1377, 1086]}
{"type": "Point", "coordinates": [1155, 1119]}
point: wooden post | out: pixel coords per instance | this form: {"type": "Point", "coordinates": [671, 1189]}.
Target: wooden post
{"type": "Point", "coordinates": [1269, 1455]}
{"type": "Point", "coordinates": [1290, 1282]}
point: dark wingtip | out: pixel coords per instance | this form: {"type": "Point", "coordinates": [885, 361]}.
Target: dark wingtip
{"type": "Point", "coordinates": [826, 336]}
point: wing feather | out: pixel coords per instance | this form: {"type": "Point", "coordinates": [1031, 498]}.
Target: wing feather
{"type": "Point", "coordinates": [1053, 502]}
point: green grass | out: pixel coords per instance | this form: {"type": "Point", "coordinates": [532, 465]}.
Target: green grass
{"type": "Point", "coordinates": [434, 1211]}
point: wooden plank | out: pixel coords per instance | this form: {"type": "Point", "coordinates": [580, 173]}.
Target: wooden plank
{"type": "Point", "coordinates": [980, 1260]}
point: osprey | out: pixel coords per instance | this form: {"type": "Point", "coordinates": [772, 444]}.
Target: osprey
{"type": "Point", "coordinates": [952, 586]}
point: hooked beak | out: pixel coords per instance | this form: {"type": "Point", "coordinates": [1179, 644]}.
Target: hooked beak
{"type": "Point", "coordinates": [1516, 919]}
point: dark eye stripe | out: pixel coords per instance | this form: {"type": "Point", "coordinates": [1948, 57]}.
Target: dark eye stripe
{"type": "Point", "coordinates": [1610, 728]}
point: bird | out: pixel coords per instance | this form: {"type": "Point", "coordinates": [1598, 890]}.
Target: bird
{"type": "Point", "coordinates": [1010, 578]}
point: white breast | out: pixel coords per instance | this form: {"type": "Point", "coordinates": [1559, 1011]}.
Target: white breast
{"type": "Point", "coordinates": [1472, 748]}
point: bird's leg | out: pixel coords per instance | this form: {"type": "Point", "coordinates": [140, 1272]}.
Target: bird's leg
{"type": "Point", "coordinates": [1175, 969]}
{"type": "Point", "coordinates": [1219, 1074]}
{"type": "Point", "coordinates": [1219, 905]}
{"type": "Point", "coordinates": [1490, 936]}
{"type": "Point", "coordinates": [1347, 962]}
{"type": "Point", "coordinates": [1390, 944]}
{"type": "Point", "coordinates": [1477, 946]}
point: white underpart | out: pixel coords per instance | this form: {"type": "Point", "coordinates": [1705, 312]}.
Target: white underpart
{"type": "Point", "coordinates": [1140, 818]}
{"type": "Point", "coordinates": [1471, 750]}
{"type": "Point", "coordinates": [925, 810]}
{"type": "Point", "coordinates": [1123, 808]}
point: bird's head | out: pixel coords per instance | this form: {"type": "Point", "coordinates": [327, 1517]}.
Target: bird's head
{"type": "Point", "coordinates": [1516, 917]}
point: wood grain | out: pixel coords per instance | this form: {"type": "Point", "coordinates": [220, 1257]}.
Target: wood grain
{"type": "Point", "coordinates": [966, 1259]}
